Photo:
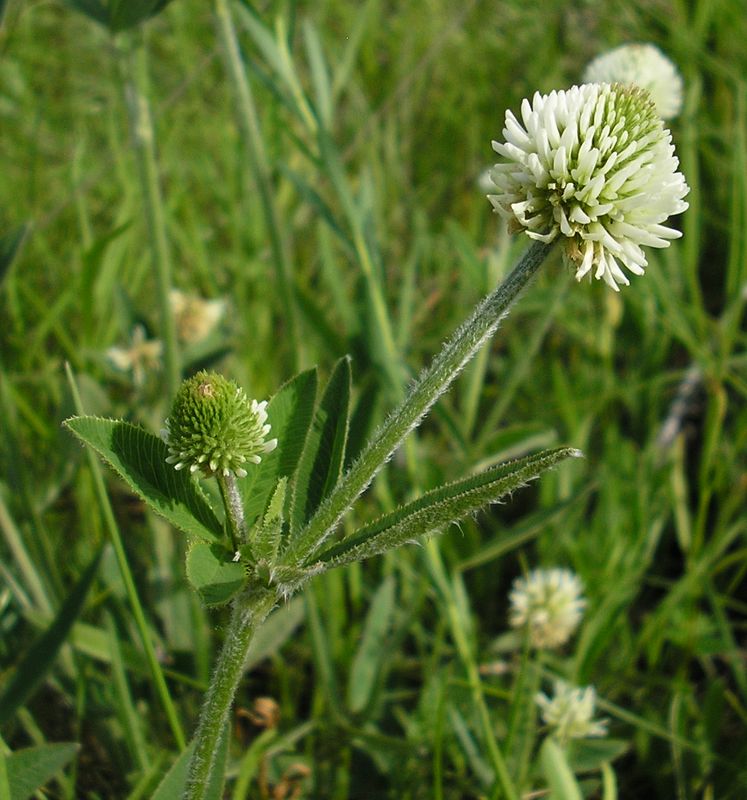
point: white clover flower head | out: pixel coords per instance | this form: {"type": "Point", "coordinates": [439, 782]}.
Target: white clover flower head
{"type": "Point", "coordinates": [195, 318]}
{"type": "Point", "coordinates": [142, 356]}
{"type": "Point", "coordinates": [641, 65]}
{"type": "Point", "coordinates": [594, 166]}
{"type": "Point", "coordinates": [550, 603]}
{"type": "Point", "coordinates": [569, 712]}
{"type": "Point", "coordinates": [215, 428]}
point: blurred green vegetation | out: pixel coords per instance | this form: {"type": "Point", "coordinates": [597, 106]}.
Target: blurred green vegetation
{"type": "Point", "coordinates": [375, 120]}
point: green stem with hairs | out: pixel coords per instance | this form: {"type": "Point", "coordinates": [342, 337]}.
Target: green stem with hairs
{"type": "Point", "coordinates": [231, 497]}
{"type": "Point", "coordinates": [248, 612]}
{"type": "Point", "coordinates": [457, 351]}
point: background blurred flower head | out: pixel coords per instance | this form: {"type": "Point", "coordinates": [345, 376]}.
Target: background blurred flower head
{"type": "Point", "coordinates": [142, 356]}
{"type": "Point", "coordinates": [641, 65]}
{"type": "Point", "coordinates": [549, 603]}
{"type": "Point", "coordinates": [594, 166]}
{"type": "Point", "coordinates": [569, 712]}
{"type": "Point", "coordinates": [195, 318]}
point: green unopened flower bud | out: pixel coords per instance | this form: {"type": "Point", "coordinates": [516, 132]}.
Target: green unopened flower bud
{"type": "Point", "coordinates": [214, 427]}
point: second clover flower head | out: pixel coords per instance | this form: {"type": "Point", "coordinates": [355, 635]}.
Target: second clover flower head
{"type": "Point", "coordinates": [641, 65]}
{"type": "Point", "coordinates": [594, 166]}
{"type": "Point", "coordinates": [215, 428]}
{"type": "Point", "coordinates": [549, 603]}
{"type": "Point", "coordinates": [569, 712]}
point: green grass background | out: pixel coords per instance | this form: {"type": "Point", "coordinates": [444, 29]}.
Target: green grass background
{"type": "Point", "coordinates": [371, 683]}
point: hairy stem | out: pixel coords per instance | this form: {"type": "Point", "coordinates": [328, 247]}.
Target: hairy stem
{"type": "Point", "coordinates": [231, 497]}
{"type": "Point", "coordinates": [248, 612]}
{"type": "Point", "coordinates": [432, 383]}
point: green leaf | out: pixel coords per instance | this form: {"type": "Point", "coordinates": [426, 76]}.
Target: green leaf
{"type": "Point", "coordinates": [289, 413]}
{"type": "Point", "coordinates": [213, 574]}
{"type": "Point", "coordinates": [323, 455]}
{"type": "Point", "coordinates": [438, 508]}
{"type": "Point", "coordinates": [28, 770]}
{"type": "Point", "coordinates": [275, 631]}
{"type": "Point", "coordinates": [560, 777]}
{"type": "Point", "coordinates": [362, 420]}
{"type": "Point", "coordinates": [40, 657]}
{"type": "Point", "coordinates": [175, 780]}
{"type": "Point", "coordinates": [118, 15]}
{"type": "Point", "coordinates": [9, 246]}
{"type": "Point", "coordinates": [587, 755]}
{"type": "Point", "coordinates": [319, 73]}
{"type": "Point", "coordinates": [139, 458]}
{"type": "Point", "coordinates": [264, 539]}
{"type": "Point", "coordinates": [370, 656]}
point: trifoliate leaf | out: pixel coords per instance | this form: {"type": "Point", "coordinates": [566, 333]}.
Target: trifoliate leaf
{"type": "Point", "coordinates": [139, 458]}
{"type": "Point", "coordinates": [213, 574]}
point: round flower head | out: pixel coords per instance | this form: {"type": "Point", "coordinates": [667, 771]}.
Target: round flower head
{"type": "Point", "coordinates": [549, 603]}
{"type": "Point", "coordinates": [569, 712]}
{"type": "Point", "coordinates": [214, 427]}
{"type": "Point", "coordinates": [594, 166]}
{"type": "Point", "coordinates": [641, 65]}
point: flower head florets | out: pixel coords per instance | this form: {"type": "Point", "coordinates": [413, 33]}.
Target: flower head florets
{"type": "Point", "coordinates": [594, 166]}
{"type": "Point", "coordinates": [549, 603]}
{"type": "Point", "coordinates": [569, 712]}
{"type": "Point", "coordinates": [641, 65]}
{"type": "Point", "coordinates": [214, 427]}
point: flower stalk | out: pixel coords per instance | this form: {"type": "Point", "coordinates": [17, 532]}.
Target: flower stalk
{"type": "Point", "coordinates": [457, 351]}
{"type": "Point", "coordinates": [231, 497]}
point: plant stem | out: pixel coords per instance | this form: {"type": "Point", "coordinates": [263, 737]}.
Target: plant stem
{"type": "Point", "coordinates": [134, 75]}
{"type": "Point", "coordinates": [231, 497]}
{"type": "Point", "coordinates": [251, 134]}
{"type": "Point", "coordinates": [248, 612]}
{"type": "Point", "coordinates": [457, 351]}
{"type": "Point", "coordinates": [162, 689]}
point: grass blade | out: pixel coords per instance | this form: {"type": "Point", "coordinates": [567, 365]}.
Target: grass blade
{"type": "Point", "coordinates": [40, 657]}
{"type": "Point", "coordinates": [28, 770]}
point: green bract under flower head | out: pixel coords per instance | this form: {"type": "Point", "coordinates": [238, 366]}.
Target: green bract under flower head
{"type": "Point", "coordinates": [593, 165]}
{"type": "Point", "coordinates": [214, 427]}
{"type": "Point", "coordinates": [641, 65]}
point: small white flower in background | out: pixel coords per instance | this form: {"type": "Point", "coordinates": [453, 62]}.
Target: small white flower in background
{"type": "Point", "coordinates": [195, 318]}
{"type": "Point", "coordinates": [641, 65]}
{"type": "Point", "coordinates": [595, 166]}
{"type": "Point", "coordinates": [550, 603]}
{"type": "Point", "coordinates": [569, 712]}
{"type": "Point", "coordinates": [143, 355]}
